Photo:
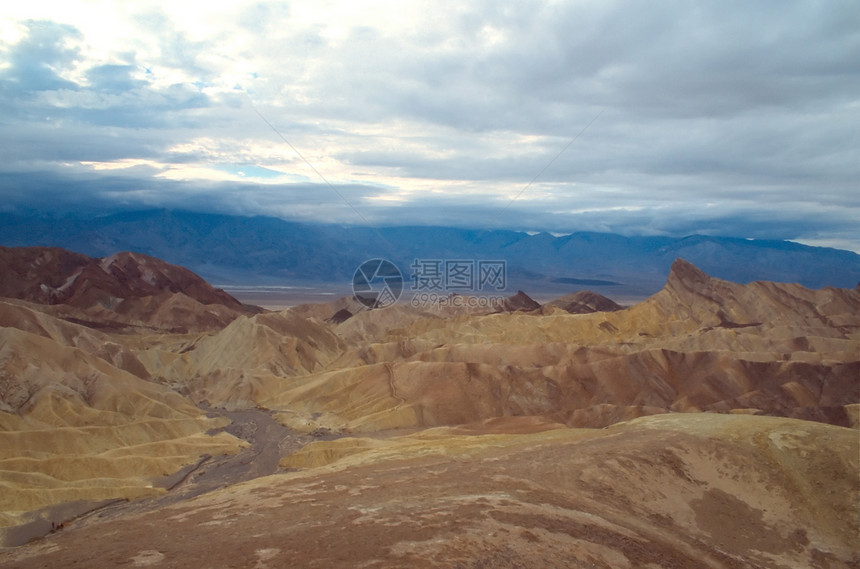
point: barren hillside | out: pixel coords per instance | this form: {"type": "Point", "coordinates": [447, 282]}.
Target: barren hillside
{"type": "Point", "coordinates": [115, 292]}
{"type": "Point", "coordinates": [691, 490]}
{"type": "Point", "coordinates": [714, 424]}
{"type": "Point", "coordinates": [701, 344]}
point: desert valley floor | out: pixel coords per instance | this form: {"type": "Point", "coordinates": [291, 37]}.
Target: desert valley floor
{"type": "Point", "coordinates": [160, 422]}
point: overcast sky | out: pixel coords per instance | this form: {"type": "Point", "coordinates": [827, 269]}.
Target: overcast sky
{"type": "Point", "coordinates": [662, 117]}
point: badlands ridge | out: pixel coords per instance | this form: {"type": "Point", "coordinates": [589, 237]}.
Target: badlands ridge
{"type": "Point", "coordinates": [711, 425]}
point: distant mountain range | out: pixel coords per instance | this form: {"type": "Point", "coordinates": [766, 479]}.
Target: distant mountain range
{"type": "Point", "coordinates": [228, 249]}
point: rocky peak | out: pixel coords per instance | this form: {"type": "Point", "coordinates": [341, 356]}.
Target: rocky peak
{"type": "Point", "coordinates": [684, 276]}
{"type": "Point", "coordinates": [520, 301]}
{"type": "Point", "coordinates": [125, 288]}
{"type": "Point", "coordinates": [691, 294]}
{"type": "Point", "coordinates": [56, 276]}
{"type": "Point", "coordinates": [586, 302]}
{"type": "Point", "coordinates": [340, 316]}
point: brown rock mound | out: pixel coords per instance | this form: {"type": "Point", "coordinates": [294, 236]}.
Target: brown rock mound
{"type": "Point", "coordinates": [585, 302]}
{"type": "Point", "coordinates": [326, 310]}
{"type": "Point", "coordinates": [247, 360]}
{"type": "Point", "coordinates": [709, 301]}
{"type": "Point", "coordinates": [128, 289]}
{"type": "Point", "coordinates": [340, 316]}
{"type": "Point", "coordinates": [519, 302]}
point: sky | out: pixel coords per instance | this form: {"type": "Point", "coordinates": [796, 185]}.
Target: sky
{"type": "Point", "coordinates": [649, 118]}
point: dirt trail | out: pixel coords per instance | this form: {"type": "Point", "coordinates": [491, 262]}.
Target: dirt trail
{"type": "Point", "coordinates": [269, 442]}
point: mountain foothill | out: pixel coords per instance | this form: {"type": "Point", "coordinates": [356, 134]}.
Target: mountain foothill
{"type": "Point", "coordinates": [148, 418]}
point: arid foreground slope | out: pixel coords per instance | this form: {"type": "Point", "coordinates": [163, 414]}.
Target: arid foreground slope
{"type": "Point", "coordinates": [446, 438]}
{"type": "Point", "coordinates": [697, 490]}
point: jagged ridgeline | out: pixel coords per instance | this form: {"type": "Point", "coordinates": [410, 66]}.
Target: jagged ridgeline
{"type": "Point", "coordinates": [517, 434]}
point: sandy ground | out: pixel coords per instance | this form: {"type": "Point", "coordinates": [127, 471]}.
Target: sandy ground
{"type": "Point", "coordinates": [718, 492]}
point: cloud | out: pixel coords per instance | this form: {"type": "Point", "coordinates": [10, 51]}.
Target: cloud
{"type": "Point", "coordinates": [114, 79]}
{"type": "Point", "coordinates": [723, 118]}
{"type": "Point", "coordinates": [34, 62]}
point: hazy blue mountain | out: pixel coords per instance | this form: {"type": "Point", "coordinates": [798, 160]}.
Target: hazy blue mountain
{"type": "Point", "coordinates": [264, 250]}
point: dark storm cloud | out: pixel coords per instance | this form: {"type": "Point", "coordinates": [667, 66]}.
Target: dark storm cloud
{"type": "Point", "coordinates": [702, 88]}
{"type": "Point", "coordinates": [714, 117]}
{"type": "Point", "coordinates": [675, 60]}
{"type": "Point", "coordinates": [83, 191]}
